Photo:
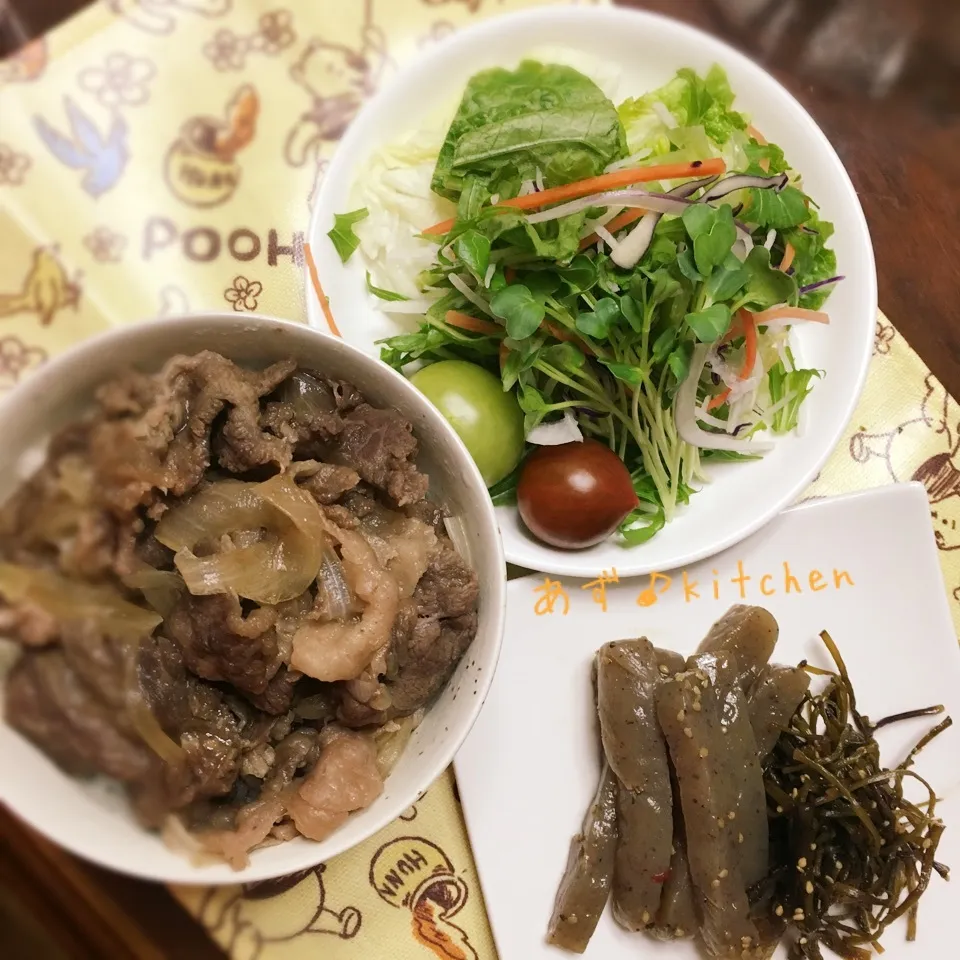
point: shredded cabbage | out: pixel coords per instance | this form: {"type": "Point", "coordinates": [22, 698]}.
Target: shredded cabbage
{"type": "Point", "coordinates": [395, 187]}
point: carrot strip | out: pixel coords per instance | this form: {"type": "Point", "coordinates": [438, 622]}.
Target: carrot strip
{"type": "Point", "coordinates": [606, 181]}
{"type": "Point", "coordinates": [746, 327]}
{"type": "Point", "coordinates": [788, 256]}
{"type": "Point", "coordinates": [509, 274]}
{"type": "Point", "coordinates": [790, 313]}
{"type": "Point", "coordinates": [719, 400]}
{"type": "Point", "coordinates": [504, 354]}
{"type": "Point", "coordinates": [559, 333]}
{"type": "Point", "coordinates": [318, 290]}
{"type": "Point", "coordinates": [464, 321]}
{"type": "Point", "coordinates": [617, 223]}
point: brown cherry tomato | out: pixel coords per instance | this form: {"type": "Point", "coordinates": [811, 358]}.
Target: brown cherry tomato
{"type": "Point", "coordinates": [574, 495]}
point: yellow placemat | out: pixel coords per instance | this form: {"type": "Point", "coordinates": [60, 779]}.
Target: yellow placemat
{"type": "Point", "coordinates": [160, 155]}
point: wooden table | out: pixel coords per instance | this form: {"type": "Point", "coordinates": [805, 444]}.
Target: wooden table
{"type": "Point", "coordinates": [882, 78]}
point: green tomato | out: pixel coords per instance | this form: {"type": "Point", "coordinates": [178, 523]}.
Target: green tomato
{"type": "Point", "coordinates": [488, 420]}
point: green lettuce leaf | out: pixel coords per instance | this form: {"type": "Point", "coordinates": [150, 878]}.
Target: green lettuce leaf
{"type": "Point", "coordinates": [511, 123]}
{"type": "Point", "coordinates": [782, 210]}
{"type": "Point", "coordinates": [813, 261]}
{"type": "Point", "coordinates": [694, 101]}
{"type": "Point", "coordinates": [757, 152]}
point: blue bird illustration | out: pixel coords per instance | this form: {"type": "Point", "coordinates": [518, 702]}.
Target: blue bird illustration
{"type": "Point", "coordinates": [103, 158]}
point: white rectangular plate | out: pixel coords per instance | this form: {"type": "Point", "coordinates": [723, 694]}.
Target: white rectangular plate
{"type": "Point", "coordinates": [530, 766]}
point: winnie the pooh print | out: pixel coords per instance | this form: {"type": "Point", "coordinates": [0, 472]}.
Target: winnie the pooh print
{"type": "Point", "coordinates": [926, 449]}
{"type": "Point", "coordinates": [255, 916]}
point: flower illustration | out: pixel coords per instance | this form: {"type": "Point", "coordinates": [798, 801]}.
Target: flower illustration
{"type": "Point", "coordinates": [275, 32]}
{"type": "Point", "coordinates": [438, 31]}
{"type": "Point", "coordinates": [884, 337]}
{"type": "Point", "coordinates": [121, 81]}
{"type": "Point", "coordinates": [13, 165]}
{"type": "Point", "coordinates": [226, 50]}
{"type": "Point", "coordinates": [16, 358]}
{"type": "Point", "coordinates": [105, 245]}
{"type": "Point", "coordinates": [243, 294]}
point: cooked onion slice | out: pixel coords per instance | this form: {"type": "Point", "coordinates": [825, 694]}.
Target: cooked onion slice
{"type": "Point", "coordinates": [160, 588]}
{"type": "Point", "coordinates": [65, 599]}
{"type": "Point", "coordinates": [220, 508]}
{"type": "Point", "coordinates": [279, 566]}
{"type": "Point", "coordinates": [333, 582]}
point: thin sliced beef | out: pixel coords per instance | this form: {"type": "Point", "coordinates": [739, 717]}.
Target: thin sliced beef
{"type": "Point", "coordinates": [28, 623]}
{"type": "Point", "coordinates": [196, 715]}
{"type": "Point", "coordinates": [422, 654]}
{"type": "Point", "coordinates": [55, 707]}
{"type": "Point", "coordinates": [253, 822]}
{"type": "Point", "coordinates": [91, 552]}
{"type": "Point", "coordinates": [346, 397]}
{"type": "Point", "coordinates": [167, 447]}
{"type": "Point", "coordinates": [425, 660]}
{"type": "Point", "coordinates": [448, 587]}
{"type": "Point", "coordinates": [341, 650]}
{"type": "Point", "coordinates": [307, 412]}
{"type": "Point", "coordinates": [405, 546]}
{"type": "Point", "coordinates": [129, 394]}
{"type": "Point", "coordinates": [216, 721]}
{"type": "Point", "coordinates": [101, 662]}
{"type": "Point", "coordinates": [427, 512]}
{"type": "Point", "coordinates": [362, 704]}
{"type": "Point", "coordinates": [326, 482]}
{"type": "Point", "coordinates": [381, 447]}
{"type": "Point", "coordinates": [344, 779]}
{"type": "Point", "coordinates": [277, 696]}
{"type": "Point", "coordinates": [153, 553]}
{"type": "Point", "coordinates": [30, 710]}
{"type": "Point", "coordinates": [218, 643]}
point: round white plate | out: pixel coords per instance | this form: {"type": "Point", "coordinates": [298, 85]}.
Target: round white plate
{"type": "Point", "coordinates": [649, 50]}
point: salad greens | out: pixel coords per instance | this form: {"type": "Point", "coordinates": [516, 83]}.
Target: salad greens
{"type": "Point", "coordinates": [512, 123]}
{"type": "Point", "coordinates": [692, 101]}
{"type": "Point", "coordinates": [535, 296]}
{"type": "Point", "coordinates": [342, 235]}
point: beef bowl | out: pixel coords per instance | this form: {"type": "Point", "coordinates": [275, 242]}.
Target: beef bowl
{"type": "Point", "coordinates": [252, 596]}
